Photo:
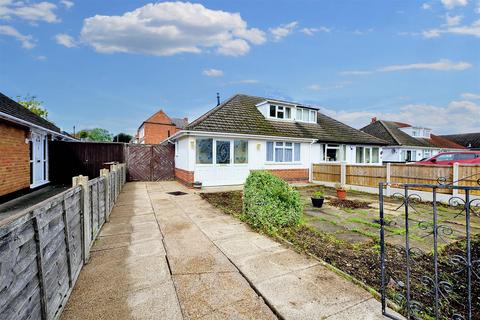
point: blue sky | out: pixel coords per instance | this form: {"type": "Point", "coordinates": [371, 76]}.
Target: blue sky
{"type": "Point", "coordinates": [113, 63]}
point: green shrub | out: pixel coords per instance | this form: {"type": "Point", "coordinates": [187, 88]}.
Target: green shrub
{"type": "Point", "coordinates": [270, 203]}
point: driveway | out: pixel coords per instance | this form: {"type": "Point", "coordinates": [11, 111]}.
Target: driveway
{"type": "Point", "coordinates": [165, 256]}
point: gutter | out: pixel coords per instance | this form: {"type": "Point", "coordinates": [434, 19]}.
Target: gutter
{"type": "Point", "coordinates": [31, 125]}
{"type": "Point", "coordinates": [222, 134]}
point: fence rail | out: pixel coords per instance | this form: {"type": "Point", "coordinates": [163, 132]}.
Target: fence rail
{"type": "Point", "coordinates": [367, 177]}
{"type": "Point", "coordinates": [43, 248]}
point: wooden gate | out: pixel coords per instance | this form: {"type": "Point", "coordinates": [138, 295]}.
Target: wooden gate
{"type": "Point", "coordinates": [150, 162]}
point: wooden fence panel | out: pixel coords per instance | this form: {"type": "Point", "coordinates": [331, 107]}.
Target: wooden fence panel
{"type": "Point", "coordinates": [326, 172]}
{"type": "Point", "coordinates": [69, 159]}
{"type": "Point", "coordinates": [41, 250]}
{"type": "Point", "coordinates": [367, 176]}
{"type": "Point", "coordinates": [469, 175]}
{"type": "Point", "coordinates": [411, 173]}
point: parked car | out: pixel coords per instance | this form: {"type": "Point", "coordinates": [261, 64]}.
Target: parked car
{"type": "Point", "coordinates": [448, 158]}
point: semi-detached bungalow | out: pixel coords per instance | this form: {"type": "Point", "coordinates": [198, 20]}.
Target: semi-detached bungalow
{"type": "Point", "coordinates": [247, 133]}
{"type": "Point", "coordinates": [24, 151]}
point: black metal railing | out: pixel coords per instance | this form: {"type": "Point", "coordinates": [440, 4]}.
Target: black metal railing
{"type": "Point", "coordinates": [430, 265]}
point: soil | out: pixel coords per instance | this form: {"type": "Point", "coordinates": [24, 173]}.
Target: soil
{"type": "Point", "coordinates": [361, 261]}
{"type": "Point", "coordinates": [350, 204]}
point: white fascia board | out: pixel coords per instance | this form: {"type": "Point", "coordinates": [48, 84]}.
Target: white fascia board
{"type": "Point", "coordinates": [31, 125]}
{"type": "Point", "coordinates": [234, 135]}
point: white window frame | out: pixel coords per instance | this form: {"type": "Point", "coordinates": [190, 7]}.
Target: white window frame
{"type": "Point", "coordinates": [284, 147]}
{"type": "Point", "coordinates": [214, 153]}
{"type": "Point", "coordinates": [282, 109]}
{"type": "Point", "coordinates": [308, 113]}
{"type": "Point", "coordinates": [333, 147]}
{"type": "Point", "coordinates": [364, 154]}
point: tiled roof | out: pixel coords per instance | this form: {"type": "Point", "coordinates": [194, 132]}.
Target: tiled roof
{"type": "Point", "coordinates": [390, 131]}
{"type": "Point", "coordinates": [469, 140]}
{"type": "Point", "coordinates": [239, 114]}
{"type": "Point", "coordinates": [18, 111]}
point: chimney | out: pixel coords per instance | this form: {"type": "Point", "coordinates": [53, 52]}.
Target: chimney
{"type": "Point", "coordinates": [374, 119]}
{"type": "Point", "coordinates": [218, 98]}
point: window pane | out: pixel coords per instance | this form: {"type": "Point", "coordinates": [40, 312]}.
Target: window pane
{"type": "Point", "coordinates": [359, 155]}
{"type": "Point", "coordinates": [279, 144]}
{"type": "Point", "coordinates": [288, 144]}
{"type": "Point", "coordinates": [445, 157]}
{"type": "Point", "coordinates": [312, 116]}
{"type": "Point", "coordinates": [278, 154]}
{"type": "Point", "coordinates": [288, 155]}
{"type": "Point", "coordinates": [288, 113]}
{"type": "Point", "coordinates": [223, 152]}
{"type": "Point", "coordinates": [333, 154]}
{"type": "Point", "coordinates": [280, 114]}
{"type": "Point", "coordinates": [375, 155]}
{"type": "Point", "coordinates": [367, 155]}
{"type": "Point", "coordinates": [240, 151]}
{"type": "Point", "coordinates": [464, 156]}
{"type": "Point", "coordinates": [299, 114]}
{"type": "Point", "coordinates": [273, 111]}
{"type": "Point", "coordinates": [269, 151]}
{"type": "Point", "coordinates": [297, 152]}
{"type": "Point", "coordinates": [205, 151]}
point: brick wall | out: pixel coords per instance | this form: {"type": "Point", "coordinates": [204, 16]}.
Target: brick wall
{"type": "Point", "coordinates": [14, 159]}
{"type": "Point", "coordinates": [184, 176]}
{"type": "Point", "coordinates": [157, 132]}
{"type": "Point", "coordinates": [291, 174]}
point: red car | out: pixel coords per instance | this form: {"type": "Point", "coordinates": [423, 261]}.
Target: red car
{"type": "Point", "coordinates": [448, 158]}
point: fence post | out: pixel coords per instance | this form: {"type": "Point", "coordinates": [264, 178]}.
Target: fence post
{"type": "Point", "coordinates": [82, 181]}
{"type": "Point", "coordinates": [104, 173]}
{"type": "Point", "coordinates": [456, 177]}
{"type": "Point", "coordinates": [389, 174]}
{"type": "Point", "coordinates": [343, 173]}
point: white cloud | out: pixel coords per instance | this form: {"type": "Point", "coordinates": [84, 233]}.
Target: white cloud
{"type": "Point", "coordinates": [452, 20]}
{"type": "Point", "coordinates": [65, 40]}
{"type": "Point", "coordinates": [450, 4]}
{"type": "Point", "coordinates": [359, 32]}
{"type": "Point", "coordinates": [170, 28]}
{"type": "Point", "coordinates": [471, 30]}
{"type": "Point", "coordinates": [317, 87]}
{"type": "Point", "coordinates": [68, 4]}
{"type": "Point", "coordinates": [41, 58]}
{"type": "Point", "coordinates": [426, 6]}
{"type": "Point", "coordinates": [312, 31]}
{"type": "Point", "coordinates": [470, 96]}
{"type": "Point", "coordinates": [284, 30]}
{"type": "Point", "coordinates": [456, 117]}
{"type": "Point", "coordinates": [27, 41]}
{"type": "Point", "coordinates": [441, 65]}
{"type": "Point", "coordinates": [212, 73]}
{"type": "Point", "coordinates": [248, 81]}
{"type": "Point", "coordinates": [33, 12]}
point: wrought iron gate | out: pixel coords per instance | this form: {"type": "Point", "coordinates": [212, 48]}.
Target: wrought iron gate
{"type": "Point", "coordinates": [430, 268]}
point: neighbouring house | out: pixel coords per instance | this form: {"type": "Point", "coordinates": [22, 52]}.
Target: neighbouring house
{"type": "Point", "coordinates": [247, 133]}
{"type": "Point", "coordinates": [158, 127]}
{"type": "Point", "coordinates": [468, 140]}
{"type": "Point", "coordinates": [407, 143]}
{"type": "Point", "coordinates": [24, 140]}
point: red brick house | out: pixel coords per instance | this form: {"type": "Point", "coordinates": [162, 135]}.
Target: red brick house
{"type": "Point", "coordinates": [159, 127]}
{"type": "Point", "coordinates": [24, 140]}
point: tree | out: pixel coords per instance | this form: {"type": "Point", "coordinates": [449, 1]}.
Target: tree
{"type": "Point", "coordinates": [122, 137]}
{"type": "Point", "coordinates": [96, 134]}
{"type": "Point", "coordinates": [33, 104]}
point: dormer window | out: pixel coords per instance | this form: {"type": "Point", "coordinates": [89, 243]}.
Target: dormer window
{"type": "Point", "coordinates": [280, 112]}
{"type": "Point", "coordinates": [306, 115]}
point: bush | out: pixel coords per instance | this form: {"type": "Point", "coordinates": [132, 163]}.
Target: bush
{"type": "Point", "coordinates": [270, 203]}
{"type": "Point", "coordinates": [318, 194]}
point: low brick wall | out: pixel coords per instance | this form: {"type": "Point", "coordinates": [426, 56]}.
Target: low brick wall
{"type": "Point", "coordinates": [184, 176]}
{"type": "Point", "coordinates": [291, 174]}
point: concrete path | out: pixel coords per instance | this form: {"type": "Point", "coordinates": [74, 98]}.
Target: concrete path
{"type": "Point", "coordinates": [176, 257]}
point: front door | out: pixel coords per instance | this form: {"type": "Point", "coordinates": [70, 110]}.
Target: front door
{"type": "Point", "coordinates": [38, 159]}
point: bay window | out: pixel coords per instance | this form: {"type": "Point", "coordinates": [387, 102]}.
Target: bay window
{"type": "Point", "coordinates": [283, 151]}
{"type": "Point", "coordinates": [224, 151]}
